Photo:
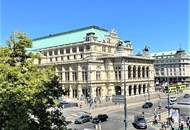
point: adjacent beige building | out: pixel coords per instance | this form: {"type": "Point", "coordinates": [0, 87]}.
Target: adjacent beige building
{"type": "Point", "coordinates": [172, 67]}
{"type": "Point", "coordinates": [92, 61]}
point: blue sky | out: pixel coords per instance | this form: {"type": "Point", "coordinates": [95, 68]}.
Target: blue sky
{"type": "Point", "coordinates": [160, 24]}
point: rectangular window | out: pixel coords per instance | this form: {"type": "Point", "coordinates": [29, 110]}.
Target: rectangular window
{"type": "Point", "coordinates": [74, 75]}
{"type": "Point", "coordinates": [103, 49]}
{"type": "Point", "coordinates": [109, 49]}
{"type": "Point", "coordinates": [62, 51]}
{"type": "Point", "coordinates": [68, 57]}
{"type": "Point", "coordinates": [84, 76]}
{"type": "Point", "coordinates": [74, 49]}
{"type": "Point", "coordinates": [55, 52]}
{"type": "Point", "coordinates": [50, 53]}
{"type": "Point", "coordinates": [116, 75]}
{"type": "Point", "coordinates": [87, 47]}
{"type": "Point", "coordinates": [60, 75]}
{"type": "Point", "coordinates": [81, 56]}
{"type": "Point", "coordinates": [62, 58]}
{"type": "Point", "coordinates": [98, 75]}
{"type": "Point", "coordinates": [45, 53]}
{"type": "Point", "coordinates": [74, 56]}
{"type": "Point", "coordinates": [50, 59]}
{"type": "Point", "coordinates": [81, 48]}
{"type": "Point", "coordinates": [119, 75]}
{"type": "Point", "coordinates": [66, 76]}
{"type": "Point", "coordinates": [55, 58]}
{"type": "Point", "coordinates": [68, 50]}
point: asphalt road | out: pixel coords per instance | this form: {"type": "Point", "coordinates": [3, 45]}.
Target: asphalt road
{"type": "Point", "coordinates": [116, 117]}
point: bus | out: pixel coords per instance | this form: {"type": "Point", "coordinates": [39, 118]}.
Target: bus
{"type": "Point", "coordinates": [174, 88]}
{"type": "Point", "coordinates": [170, 88]}
{"type": "Point", "coordinates": [182, 87]}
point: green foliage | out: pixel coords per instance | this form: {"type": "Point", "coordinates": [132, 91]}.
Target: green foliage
{"type": "Point", "coordinates": [27, 92]}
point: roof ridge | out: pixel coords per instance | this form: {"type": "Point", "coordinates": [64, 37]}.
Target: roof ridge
{"type": "Point", "coordinates": [74, 30]}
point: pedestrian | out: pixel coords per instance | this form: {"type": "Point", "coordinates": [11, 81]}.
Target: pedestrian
{"type": "Point", "coordinates": [181, 126]}
{"type": "Point", "coordinates": [188, 122]}
{"type": "Point", "coordinates": [143, 113]}
{"type": "Point", "coordinates": [80, 104]}
{"type": "Point", "coordinates": [159, 116]}
{"type": "Point", "coordinates": [172, 126]}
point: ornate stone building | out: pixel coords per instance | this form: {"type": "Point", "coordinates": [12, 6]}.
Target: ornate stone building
{"type": "Point", "coordinates": [172, 67]}
{"type": "Point", "coordinates": [91, 60]}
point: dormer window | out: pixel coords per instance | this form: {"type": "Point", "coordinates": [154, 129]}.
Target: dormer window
{"type": "Point", "coordinates": [55, 52]}
{"type": "Point", "coordinates": [62, 51]}
{"type": "Point", "coordinates": [103, 49]}
{"type": "Point", "coordinates": [50, 53]}
{"type": "Point", "coordinates": [68, 50]}
{"type": "Point", "coordinates": [88, 47]}
{"type": "Point", "coordinates": [74, 49]}
{"type": "Point", "coordinates": [81, 49]}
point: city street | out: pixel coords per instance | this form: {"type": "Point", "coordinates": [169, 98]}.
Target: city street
{"type": "Point", "coordinates": [116, 117]}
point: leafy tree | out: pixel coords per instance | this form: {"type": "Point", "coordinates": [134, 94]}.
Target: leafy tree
{"type": "Point", "coordinates": [28, 93]}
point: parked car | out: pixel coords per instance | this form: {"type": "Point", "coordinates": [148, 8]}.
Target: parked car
{"type": "Point", "coordinates": [83, 119]}
{"type": "Point", "coordinates": [186, 95]}
{"type": "Point", "coordinates": [100, 118]}
{"type": "Point", "coordinates": [63, 104]}
{"type": "Point", "coordinates": [140, 122]}
{"type": "Point", "coordinates": [147, 105]}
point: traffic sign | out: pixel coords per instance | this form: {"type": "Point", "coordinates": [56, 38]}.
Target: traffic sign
{"type": "Point", "coordinates": [118, 98]}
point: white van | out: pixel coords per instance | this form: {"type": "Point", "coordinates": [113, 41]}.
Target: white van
{"type": "Point", "coordinates": [172, 99]}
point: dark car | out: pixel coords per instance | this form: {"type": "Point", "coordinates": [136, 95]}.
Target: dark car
{"type": "Point", "coordinates": [100, 118]}
{"type": "Point", "coordinates": [186, 96]}
{"type": "Point", "coordinates": [140, 122]}
{"type": "Point", "coordinates": [147, 105]}
{"type": "Point", "coordinates": [83, 119]}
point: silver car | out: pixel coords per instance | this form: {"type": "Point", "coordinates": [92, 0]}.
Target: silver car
{"type": "Point", "coordinates": [140, 122]}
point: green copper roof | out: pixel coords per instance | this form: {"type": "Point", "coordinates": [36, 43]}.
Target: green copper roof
{"type": "Point", "coordinates": [72, 36]}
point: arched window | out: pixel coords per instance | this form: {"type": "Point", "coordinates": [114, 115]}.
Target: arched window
{"type": "Point", "coordinates": [144, 87]}
{"type": "Point", "coordinates": [139, 89]}
{"type": "Point", "coordinates": [129, 71]}
{"type": "Point", "coordinates": [98, 91]}
{"type": "Point", "coordinates": [135, 89]}
{"type": "Point", "coordinates": [139, 72]}
{"type": "Point", "coordinates": [117, 90]}
{"type": "Point", "coordinates": [130, 89]}
{"type": "Point", "coordinates": [143, 72]}
{"type": "Point", "coordinates": [147, 72]}
{"type": "Point", "coordinates": [118, 72]}
{"type": "Point", "coordinates": [134, 71]}
{"type": "Point", "coordinates": [84, 73]}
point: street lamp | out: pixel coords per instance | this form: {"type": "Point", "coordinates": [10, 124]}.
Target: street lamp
{"type": "Point", "coordinates": [125, 98]}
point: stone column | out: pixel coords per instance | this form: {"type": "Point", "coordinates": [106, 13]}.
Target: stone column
{"type": "Point", "coordinates": [58, 51]}
{"type": "Point", "coordinates": [93, 93]}
{"type": "Point", "coordinates": [71, 92]}
{"type": "Point", "coordinates": [131, 71]}
{"type": "Point", "coordinates": [132, 90]}
{"type": "Point", "coordinates": [84, 48]}
{"type": "Point", "coordinates": [79, 89]}
{"type": "Point", "coordinates": [64, 50]}
{"type": "Point", "coordinates": [122, 89]}
{"type": "Point", "coordinates": [47, 53]}
{"type": "Point", "coordinates": [79, 73]}
{"type": "Point", "coordinates": [70, 74]}
{"type": "Point", "coordinates": [63, 73]}
{"type": "Point", "coordinates": [77, 49]}
{"type": "Point", "coordinates": [111, 90]}
{"type": "Point", "coordinates": [53, 52]}
{"type": "Point", "coordinates": [71, 51]}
